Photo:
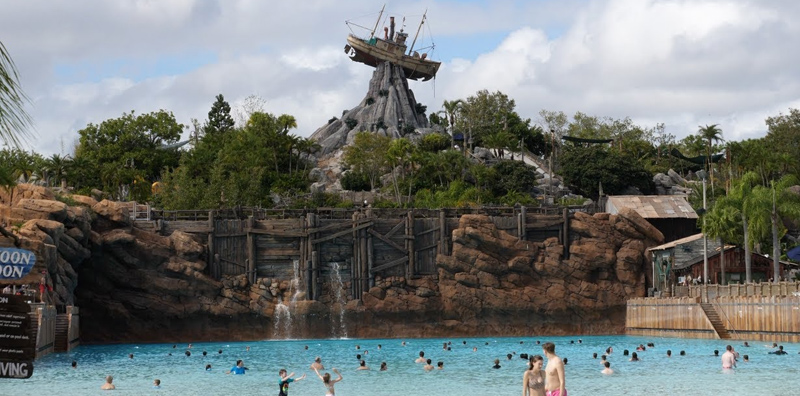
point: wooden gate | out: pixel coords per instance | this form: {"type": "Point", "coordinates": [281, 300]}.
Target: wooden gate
{"type": "Point", "coordinates": [229, 242]}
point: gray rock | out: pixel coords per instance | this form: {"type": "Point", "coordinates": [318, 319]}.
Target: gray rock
{"type": "Point", "coordinates": [676, 178]}
{"type": "Point", "coordinates": [318, 187]}
{"type": "Point", "coordinates": [389, 109]}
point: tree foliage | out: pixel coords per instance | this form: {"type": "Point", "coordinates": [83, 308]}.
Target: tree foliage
{"type": "Point", "coordinates": [586, 167]}
{"type": "Point", "coordinates": [14, 120]}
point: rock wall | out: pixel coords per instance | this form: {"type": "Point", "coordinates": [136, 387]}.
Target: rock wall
{"type": "Point", "coordinates": [137, 286]}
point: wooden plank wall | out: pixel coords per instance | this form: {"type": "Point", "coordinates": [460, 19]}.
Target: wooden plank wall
{"type": "Point", "coordinates": [672, 317]}
{"type": "Point", "coordinates": [770, 319]}
{"type": "Point", "coordinates": [364, 243]}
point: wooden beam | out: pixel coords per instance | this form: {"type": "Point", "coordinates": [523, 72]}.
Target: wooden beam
{"type": "Point", "coordinates": [428, 231]}
{"type": "Point", "coordinates": [427, 247]}
{"type": "Point", "coordinates": [232, 235]}
{"type": "Point", "coordinates": [342, 224]}
{"type": "Point", "coordinates": [390, 264]}
{"type": "Point", "coordinates": [278, 233]}
{"type": "Point", "coordinates": [397, 227]}
{"type": "Point", "coordinates": [387, 240]}
{"type": "Point", "coordinates": [340, 233]}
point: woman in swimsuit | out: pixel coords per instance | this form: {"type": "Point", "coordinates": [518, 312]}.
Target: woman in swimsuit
{"type": "Point", "coordinates": [533, 379]}
{"type": "Point", "coordinates": [328, 382]}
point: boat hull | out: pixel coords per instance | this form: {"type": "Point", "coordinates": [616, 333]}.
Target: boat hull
{"type": "Point", "coordinates": [377, 51]}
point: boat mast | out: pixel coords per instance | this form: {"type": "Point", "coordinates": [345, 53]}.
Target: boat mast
{"type": "Point", "coordinates": [410, 51]}
{"type": "Point", "coordinates": [371, 35]}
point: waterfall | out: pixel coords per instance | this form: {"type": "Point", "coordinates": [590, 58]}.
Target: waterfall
{"type": "Point", "coordinates": [282, 321]}
{"type": "Point", "coordinates": [337, 285]}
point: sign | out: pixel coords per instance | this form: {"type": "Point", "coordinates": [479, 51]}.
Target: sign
{"type": "Point", "coordinates": [18, 304]}
{"type": "Point", "coordinates": [14, 323]}
{"type": "Point", "coordinates": [15, 263]}
{"type": "Point", "coordinates": [19, 354]}
{"type": "Point", "coordinates": [20, 370]}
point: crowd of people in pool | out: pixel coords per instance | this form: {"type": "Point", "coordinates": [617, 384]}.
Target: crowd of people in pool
{"type": "Point", "coordinates": [539, 379]}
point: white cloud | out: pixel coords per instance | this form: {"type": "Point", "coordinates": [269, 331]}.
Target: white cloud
{"type": "Point", "coordinates": [681, 62]}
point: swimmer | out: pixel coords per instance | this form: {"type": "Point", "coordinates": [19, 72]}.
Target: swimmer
{"type": "Point", "coordinates": [746, 358]}
{"type": "Point", "coordinates": [156, 383]}
{"type": "Point", "coordinates": [683, 353]}
{"type": "Point", "coordinates": [219, 351]}
{"type": "Point", "coordinates": [555, 382]}
{"type": "Point", "coordinates": [440, 365]}
{"type": "Point", "coordinates": [208, 367]}
{"type": "Point", "coordinates": [383, 366]}
{"type": "Point", "coordinates": [634, 357]}
{"type": "Point", "coordinates": [669, 353]}
{"type": "Point", "coordinates": [607, 370]}
{"type": "Point", "coordinates": [190, 346]}
{"type": "Point", "coordinates": [403, 343]}
{"type": "Point", "coordinates": [285, 380]}
{"type": "Point", "coordinates": [130, 356]}
{"type": "Point", "coordinates": [474, 349]}
{"type": "Point", "coordinates": [108, 385]}
{"type": "Point", "coordinates": [780, 351]}
{"type": "Point", "coordinates": [246, 349]}
{"type": "Point", "coordinates": [728, 358]}
{"type": "Point", "coordinates": [603, 359]}
{"type": "Point", "coordinates": [625, 353]}
{"type": "Point", "coordinates": [716, 352]}
{"type": "Point", "coordinates": [496, 364]}
{"type": "Point", "coordinates": [363, 366]}
{"type": "Point", "coordinates": [428, 366]}
{"type": "Point", "coordinates": [238, 369]}
{"type": "Point", "coordinates": [594, 355]}
{"type": "Point", "coordinates": [187, 353]}
{"type": "Point", "coordinates": [533, 379]}
{"type": "Point", "coordinates": [358, 346]}
{"type": "Point", "coordinates": [317, 365]}
{"type": "Point", "coordinates": [328, 382]}
{"type": "Point", "coordinates": [508, 356]}
{"type": "Point", "coordinates": [379, 347]}
{"type": "Point", "coordinates": [746, 344]}
{"type": "Point", "coordinates": [609, 350]}
{"type": "Point", "coordinates": [306, 347]}
{"type": "Point", "coordinates": [565, 361]}
{"type": "Point", "coordinates": [74, 364]}
{"type": "Point", "coordinates": [421, 358]}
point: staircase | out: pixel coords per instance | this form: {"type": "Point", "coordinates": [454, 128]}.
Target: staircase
{"type": "Point", "coordinates": [716, 321]}
{"type": "Point", "coordinates": [62, 333]}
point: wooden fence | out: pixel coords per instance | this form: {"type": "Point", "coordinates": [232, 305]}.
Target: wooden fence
{"type": "Point", "coordinates": [674, 317]}
{"type": "Point", "coordinates": [364, 243]}
{"type": "Point", "coordinates": [761, 318]}
{"type": "Point", "coordinates": [708, 293]}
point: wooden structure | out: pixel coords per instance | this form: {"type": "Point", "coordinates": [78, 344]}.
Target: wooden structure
{"type": "Point", "coordinates": [670, 214]}
{"type": "Point", "coordinates": [762, 267]}
{"type": "Point", "coordinates": [67, 329]}
{"type": "Point", "coordinates": [363, 243]}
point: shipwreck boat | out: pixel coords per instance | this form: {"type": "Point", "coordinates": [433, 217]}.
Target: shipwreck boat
{"type": "Point", "coordinates": [392, 48]}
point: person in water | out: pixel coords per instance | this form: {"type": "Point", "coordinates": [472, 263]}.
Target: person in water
{"type": "Point", "coordinates": [496, 364]}
{"type": "Point", "coordinates": [428, 366]}
{"type": "Point", "coordinates": [317, 365]}
{"type": "Point", "coordinates": [780, 351]}
{"type": "Point", "coordinates": [421, 358]}
{"type": "Point", "coordinates": [363, 366]}
{"type": "Point", "coordinates": [238, 369]}
{"type": "Point", "coordinates": [156, 383]}
{"type": "Point", "coordinates": [440, 365]}
{"type": "Point", "coordinates": [108, 385]}
{"type": "Point", "coordinates": [383, 366]}
{"type": "Point", "coordinates": [328, 382]}
{"type": "Point", "coordinates": [555, 382]}
{"type": "Point", "coordinates": [728, 358]}
{"type": "Point", "coordinates": [533, 378]}
{"type": "Point", "coordinates": [285, 380]}
{"type": "Point", "coordinates": [634, 357]}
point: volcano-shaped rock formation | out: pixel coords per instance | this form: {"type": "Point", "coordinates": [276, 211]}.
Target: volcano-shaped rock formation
{"type": "Point", "coordinates": [389, 108]}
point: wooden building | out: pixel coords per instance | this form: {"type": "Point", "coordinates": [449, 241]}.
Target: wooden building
{"type": "Point", "coordinates": [670, 214]}
{"type": "Point", "coordinates": [678, 254]}
{"type": "Point", "coordinates": [761, 271]}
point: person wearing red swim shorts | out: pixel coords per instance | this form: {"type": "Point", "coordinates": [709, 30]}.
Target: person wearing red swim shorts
{"type": "Point", "coordinates": [555, 383]}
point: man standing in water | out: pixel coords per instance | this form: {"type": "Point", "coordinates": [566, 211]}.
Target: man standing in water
{"type": "Point", "coordinates": [555, 383]}
{"type": "Point", "coordinates": [728, 358]}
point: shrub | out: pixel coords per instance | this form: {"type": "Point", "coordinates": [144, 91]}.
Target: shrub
{"type": "Point", "coordinates": [332, 120]}
{"type": "Point", "coordinates": [370, 101]}
{"type": "Point", "coordinates": [355, 181]}
{"type": "Point", "coordinates": [351, 123]}
{"type": "Point", "coordinates": [420, 108]}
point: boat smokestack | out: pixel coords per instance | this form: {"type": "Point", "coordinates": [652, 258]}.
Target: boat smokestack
{"type": "Point", "coordinates": [391, 28]}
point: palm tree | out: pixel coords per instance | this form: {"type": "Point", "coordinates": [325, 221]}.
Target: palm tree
{"type": "Point", "coordinates": [741, 204]}
{"type": "Point", "coordinates": [721, 223]}
{"type": "Point", "coordinates": [14, 121]}
{"type": "Point", "coordinates": [711, 134]}
{"type": "Point", "coordinates": [452, 108]}
{"type": "Point", "coordinates": [769, 206]}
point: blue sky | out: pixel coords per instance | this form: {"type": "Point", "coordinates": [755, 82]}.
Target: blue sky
{"type": "Point", "coordinates": [681, 62]}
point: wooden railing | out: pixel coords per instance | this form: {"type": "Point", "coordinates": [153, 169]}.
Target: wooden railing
{"type": "Point", "coordinates": [710, 292]}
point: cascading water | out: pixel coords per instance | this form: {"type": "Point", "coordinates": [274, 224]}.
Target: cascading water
{"type": "Point", "coordinates": [283, 320]}
{"type": "Point", "coordinates": [338, 286]}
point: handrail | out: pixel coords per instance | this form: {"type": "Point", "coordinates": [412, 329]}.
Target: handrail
{"type": "Point", "coordinates": [729, 324]}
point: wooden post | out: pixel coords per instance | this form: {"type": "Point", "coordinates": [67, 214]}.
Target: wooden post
{"type": "Point", "coordinates": [214, 270]}
{"type": "Point", "coordinates": [356, 269]}
{"type": "Point", "coordinates": [566, 234]}
{"type": "Point", "coordinates": [364, 260]}
{"type": "Point", "coordinates": [523, 215]}
{"type": "Point", "coordinates": [442, 233]}
{"type": "Point", "coordinates": [314, 275]}
{"type": "Point", "coordinates": [303, 264]}
{"type": "Point", "coordinates": [410, 245]}
{"type": "Point", "coordinates": [251, 251]}
{"type": "Point", "coordinates": [370, 261]}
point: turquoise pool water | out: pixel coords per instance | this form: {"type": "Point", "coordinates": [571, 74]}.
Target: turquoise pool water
{"type": "Point", "coordinates": [465, 373]}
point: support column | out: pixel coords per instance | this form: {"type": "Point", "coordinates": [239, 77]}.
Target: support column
{"type": "Point", "coordinates": [566, 233]}
{"type": "Point", "coordinates": [523, 223]}
{"type": "Point", "coordinates": [251, 251]}
{"type": "Point", "coordinates": [314, 275]}
{"type": "Point", "coordinates": [412, 254]}
{"type": "Point", "coordinates": [356, 267]}
{"type": "Point", "coordinates": [213, 268]}
{"type": "Point", "coordinates": [442, 233]}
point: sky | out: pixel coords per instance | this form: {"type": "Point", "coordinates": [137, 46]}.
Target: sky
{"type": "Point", "coordinates": [684, 63]}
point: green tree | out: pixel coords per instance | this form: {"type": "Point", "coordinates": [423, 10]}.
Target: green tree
{"type": "Point", "coordinates": [769, 206]}
{"type": "Point", "coordinates": [129, 148]}
{"type": "Point", "coordinates": [783, 137]}
{"type": "Point", "coordinates": [721, 222]}
{"type": "Point", "coordinates": [740, 201]}
{"type": "Point", "coordinates": [586, 167]}
{"type": "Point", "coordinates": [368, 155]}
{"type": "Point", "coordinates": [14, 120]}
{"type": "Point", "coordinates": [710, 134]}
{"type": "Point", "coordinates": [219, 117]}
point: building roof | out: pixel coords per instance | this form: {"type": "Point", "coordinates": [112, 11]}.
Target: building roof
{"type": "Point", "coordinates": [653, 206]}
{"type": "Point", "coordinates": [670, 245]}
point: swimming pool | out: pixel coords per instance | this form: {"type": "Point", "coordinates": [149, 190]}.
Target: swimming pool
{"type": "Point", "coordinates": [465, 372]}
